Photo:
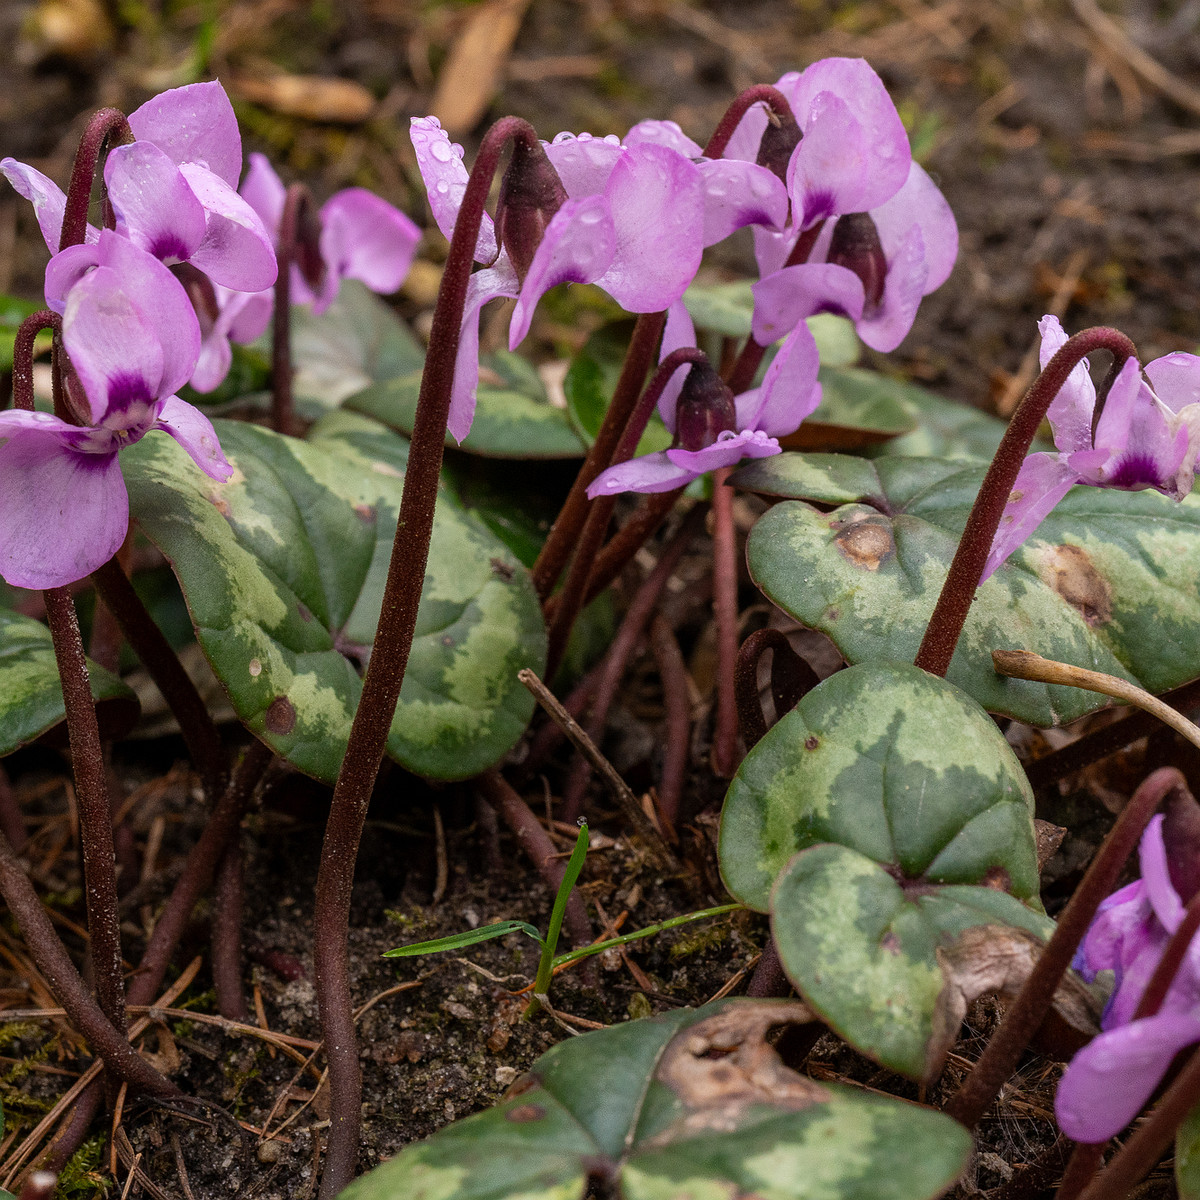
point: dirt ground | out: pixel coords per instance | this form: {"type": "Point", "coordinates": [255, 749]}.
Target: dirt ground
{"type": "Point", "coordinates": [1065, 141]}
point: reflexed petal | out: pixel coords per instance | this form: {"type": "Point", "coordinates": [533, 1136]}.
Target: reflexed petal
{"type": "Point", "coordinates": [866, 100]}
{"type": "Point", "coordinates": [48, 200]}
{"type": "Point", "coordinates": [1145, 444]}
{"type": "Point", "coordinates": [657, 205]}
{"type": "Point", "coordinates": [214, 361]}
{"type": "Point", "coordinates": [790, 391]}
{"type": "Point", "coordinates": [154, 206]}
{"type": "Point", "coordinates": [1044, 479]}
{"type": "Point", "coordinates": [886, 326]}
{"type": "Point", "coordinates": [364, 237]}
{"type": "Point", "coordinates": [1152, 858]}
{"type": "Point", "coordinates": [113, 347]}
{"type": "Point", "coordinates": [678, 333]}
{"type": "Point", "coordinates": [746, 139]}
{"type": "Point", "coordinates": [263, 190]}
{"type": "Point", "coordinates": [195, 433]}
{"type": "Point", "coordinates": [193, 124]}
{"type": "Point", "coordinates": [583, 163]}
{"type": "Point", "coordinates": [784, 299]}
{"type": "Point", "coordinates": [650, 473]}
{"type": "Point", "coordinates": [1070, 413]}
{"type": "Point", "coordinates": [829, 172]}
{"type": "Point", "coordinates": [772, 248]}
{"type": "Point", "coordinates": [66, 269]}
{"type": "Point", "coordinates": [1112, 1077]}
{"type": "Point", "coordinates": [441, 166]}
{"type": "Point", "coordinates": [920, 202]}
{"type": "Point", "coordinates": [1116, 918]}
{"type": "Point", "coordinates": [251, 317]}
{"type": "Point", "coordinates": [737, 194]}
{"type": "Point", "coordinates": [489, 284]}
{"type": "Point", "coordinates": [1176, 379]}
{"type": "Point", "coordinates": [728, 449]}
{"type": "Point", "coordinates": [65, 512]}
{"type": "Point", "coordinates": [237, 251]}
{"type": "Point", "coordinates": [663, 133]}
{"type": "Point", "coordinates": [577, 247]}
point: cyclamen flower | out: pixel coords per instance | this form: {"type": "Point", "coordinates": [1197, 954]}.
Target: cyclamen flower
{"type": "Point", "coordinates": [789, 393]}
{"type": "Point", "coordinates": [361, 237]}
{"type": "Point", "coordinates": [132, 339]}
{"type": "Point", "coordinates": [632, 223]}
{"type": "Point", "coordinates": [1148, 436]}
{"type": "Point", "coordinates": [1112, 1077]}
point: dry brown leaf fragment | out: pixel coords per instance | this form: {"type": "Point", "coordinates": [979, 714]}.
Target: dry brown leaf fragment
{"type": "Point", "coordinates": [310, 97]}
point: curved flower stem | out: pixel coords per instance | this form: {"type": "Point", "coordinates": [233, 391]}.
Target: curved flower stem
{"type": "Point", "coordinates": [107, 127]}
{"type": "Point", "coordinates": [570, 599]}
{"type": "Point", "coordinates": [564, 533]}
{"type": "Point", "coordinates": [22, 369]}
{"type": "Point", "coordinates": [742, 375]}
{"type": "Point", "coordinates": [297, 209]}
{"type": "Point", "coordinates": [672, 671]}
{"type": "Point", "coordinates": [385, 672]}
{"type": "Point", "coordinates": [725, 609]}
{"type": "Point", "coordinates": [95, 812]}
{"type": "Point", "coordinates": [632, 626]}
{"type": "Point", "coordinates": [791, 679]}
{"type": "Point", "coordinates": [950, 614]}
{"type": "Point", "coordinates": [226, 940]}
{"type": "Point", "coordinates": [1029, 1009]}
{"type": "Point", "coordinates": [761, 93]}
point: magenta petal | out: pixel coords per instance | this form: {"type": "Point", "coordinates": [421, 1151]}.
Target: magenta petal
{"type": "Point", "coordinates": [1116, 919]}
{"type": "Point", "coordinates": [886, 326]}
{"type": "Point", "coordinates": [1176, 379]}
{"type": "Point", "coordinates": [663, 133]}
{"type": "Point", "coordinates": [47, 198]}
{"type": "Point", "coordinates": [678, 333]}
{"type": "Point", "coordinates": [728, 449]}
{"type": "Point", "coordinates": [66, 269]}
{"type": "Point", "coordinates": [364, 237]}
{"type": "Point", "coordinates": [195, 433]}
{"type": "Point", "coordinates": [1044, 479]}
{"type": "Point", "coordinates": [65, 512]}
{"type": "Point", "coordinates": [1070, 412]}
{"type": "Point", "coordinates": [1152, 859]}
{"type": "Point", "coordinates": [650, 473]}
{"type": "Point", "coordinates": [237, 251]}
{"type": "Point", "coordinates": [583, 163]}
{"type": "Point", "coordinates": [154, 206]}
{"type": "Point", "coordinates": [263, 190]}
{"type": "Point", "coordinates": [920, 202]}
{"type": "Point", "coordinates": [485, 285]}
{"type": "Point", "coordinates": [737, 194]}
{"type": "Point", "coordinates": [577, 247]}
{"type": "Point", "coordinates": [440, 162]}
{"type": "Point", "coordinates": [746, 139]}
{"type": "Point", "coordinates": [1113, 1076]}
{"type": "Point", "coordinates": [772, 248]}
{"type": "Point", "coordinates": [657, 204]}
{"type": "Point", "coordinates": [828, 173]}
{"type": "Point", "coordinates": [790, 391]}
{"type": "Point", "coordinates": [789, 296]}
{"type": "Point", "coordinates": [193, 124]}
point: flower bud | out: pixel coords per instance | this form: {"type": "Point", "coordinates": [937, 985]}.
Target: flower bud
{"type": "Point", "coordinates": [856, 246]}
{"type": "Point", "coordinates": [781, 136]}
{"type": "Point", "coordinates": [306, 253]}
{"type": "Point", "coordinates": [705, 409]}
{"type": "Point", "coordinates": [530, 194]}
{"type": "Point", "coordinates": [1181, 839]}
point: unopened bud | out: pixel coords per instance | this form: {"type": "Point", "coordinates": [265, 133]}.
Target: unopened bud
{"type": "Point", "coordinates": [856, 246]}
{"type": "Point", "coordinates": [781, 136]}
{"type": "Point", "coordinates": [705, 408]}
{"type": "Point", "coordinates": [1181, 837]}
{"type": "Point", "coordinates": [306, 253]}
{"type": "Point", "coordinates": [530, 194]}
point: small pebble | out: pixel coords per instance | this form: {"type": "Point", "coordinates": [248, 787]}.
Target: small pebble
{"type": "Point", "coordinates": [270, 1152]}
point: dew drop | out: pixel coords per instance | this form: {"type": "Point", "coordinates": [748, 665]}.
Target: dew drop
{"type": "Point", "coordinates": [441, 151]}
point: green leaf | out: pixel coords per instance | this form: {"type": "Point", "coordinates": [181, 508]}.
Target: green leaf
{"type": "Point", "coordinates": [1108, 582]}
{"type": "Point", "coordinates": [857, 410]}
{"type": "Point", "coordinates": [283, 570]}
{"type": "Point", "coordinates": [944, 428]}
{"type": "Point", "coordinates": [894, 763]}
{"type": "Point", "coordinates": [12, 312]}
{"type": "Point", "coordinates": [456, 941]}
{"type": "Point", "coordinates": [356, 342]}
{"type": "Point", "coordinates": [31, 701]}
{"type": "Point", "coordinates": [660, 1113]}
{"type": "Point", "coordinates": [1187, 1157]}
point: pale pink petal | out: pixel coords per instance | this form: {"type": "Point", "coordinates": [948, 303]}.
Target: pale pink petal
{"type": "Point", "coordinates": [440, 162]}
{"type": "Point", "coordinates": [650, 473]}
{"type": "Point", "coordinates": [1044, 479]}
{"type": "Point", "coordinates": [364, 237]}
{"type": "Point", "coordinates": [154, 206]}
{"type": "Point", "coordinates": [193, 124]}
{"type": "Point", "coordinates": [787, 297]}
{"type": "Point", "coordinates": [920, 202]}
{"type": "Point", "coordinates": [577, 247]}
{"type": "Point", "coordinates": [489, 284]}
{"type": "Point", "coordinates": [728, 449]}
{"type": "Point", "coordinates": [790, 391]}
{"type": "Point", "coordinates": [885, 326]}
{"type": "Point", "coordinates": [746, 139]}
{"type": "Point", "coordinates": [263, 190]}
{"type": "Point", "coordinates": [737, 194]}
{"type": "Point", "coordinates": [195, 433]}
{"type": "Point", "coordinates": [829, 172]}
{"type": "Point", "coordinates": [663, 133]}
{"type": "Point", "coordinates": [48, 200]}
{"type": "Point", "coordinates": [237, 251]}
{"type": "Point", "coordinates": [583, 163]}
{"type": "Point", "coordinates": [1070, 413]}
{"type": "Point", "coordinates": [678, 334]}
{"type": "Point", "coordinates": [66, 269]}
{"type": "Point", "coordinates": [772, 248]}
{"type": "Point", "coordinates": [1116, 919]}
{"type": "Point", "coordinates": [1136, 429]}
{"type": "Point", "coordinates": [65, 512]}
{"type": "Point", "coordinates": [1156, 875]}
{"type": "Point", "coordinates": [1176, 379]}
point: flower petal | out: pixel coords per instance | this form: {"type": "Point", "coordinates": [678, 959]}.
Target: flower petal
{"type": "Point", "coordinates": [154, 206]}
{"type": "Point", "coordinates": [1044, 479]}
{"type": "Point", "coordinates": [48, 200]}
{"type": "Point", "coordinates": [920, 202]}
{"type": "Point", "coordinates": [737, 194]}
{"type": "Point", "coordinates": [583, 163]}
{"type": "Point", "coordinates": [237, 251]}
{"type": "Point", "coordinates": [657, 204]}
{"type": "Point", "coordinates": [263, 190]}
{"type": "Point", "coordinates": [65, 512]}
{"type": "Point", "coordinates": [784, 299]}
{"type": "Point", "coordinates": [577, 247]}
{"type": "Point", "coordinates": [195, 433]}
{"type": "Point", "coordinates": [1156, 875]}
{"type": "Point", "coordinates": [193, 124]}
{"type": "Point", "coordinates": [663, 133]}
{"type": "Point", "coordinates": [650, 473]}
{"type": "Point", "coordinates": [1070, 412]}
{"type": "Point", "coordinates": [364, 237]}
{"type": "Point", "coordinates": [440, 162]}
{"type": "Point", "coordinates": [728, 449]}
{"type": "Point", "coordinates": [678, 333]}
{"type": "Point", "coordinates": [886, 326]}
{"type": "Point", "coordinates": [1176, 379]}
{"type": "Point", "coordinates": [1113, 1076]}
{"type": "Point", "coordinates": [790, 391]}
{"type": "Point", "coordinates": [485, 285]}
{"type": "Point", "coordinates": [829, 171]}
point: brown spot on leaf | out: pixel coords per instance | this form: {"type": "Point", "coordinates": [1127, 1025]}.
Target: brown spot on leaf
{"type": "Point", "coordinates": [811, 742]}
{"type": "Point", "coordinates": [447, 640]}
{"type": "Point", "coordinates": [1069, 571]}
{"type": "Point", "coordinates": [524, 1113]}
{"type": "Point", "coordinates": [222, 506]}
{"type": "Point", "coordinates": [365, 512]}
{"type": "Point", "coordinates": [501, 568]}
{"type": "Point", "coordinates": [997, 878]}
{"type": "Point", "coordinates": [865, 542]}
{"type": "Point", "coordinates": [281, 716]}
{"type": "Point", "coordinates": [890, 943]}
{"type": "Point", "coordinates": [526, 1083]}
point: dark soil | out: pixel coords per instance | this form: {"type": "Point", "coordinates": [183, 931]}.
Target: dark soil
{"type": "Point", "coordinates": [1057, 158]}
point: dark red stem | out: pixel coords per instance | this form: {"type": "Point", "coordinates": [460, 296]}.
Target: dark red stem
{"type": "Point", "coordinates": [791, 678]}
{"type": "Point", "coordinates": [12, 820]}
{"type": "Point", "coordinates": [22, 370]}
{"type": "Point", "coordinates": [769, 981]}
{"type": "Point", "coordinates": [1029, 1009]}
{"type": "Point", "coordinates": [677, 701]}
{"type": "Point", "coordinates": [107, 127]}
{"type": "Point", "coordinates": [945, 626]}
{"type": "Point", "coordinates": [725, 611]}
{"type": "Point", "coordinates": [385, 672]}
{"type": "Point", "coordinates": [1081, 1167]}
{"type": "Point", "coordinates": [760, 93]}
{"type": "Point", "coordinates": [296, 206]}
{"type": "Point", "coordinates": [227, 935]}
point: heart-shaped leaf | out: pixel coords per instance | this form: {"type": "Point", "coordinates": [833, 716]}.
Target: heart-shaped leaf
{"type": "Point", "coordinates": [857, 409]}
{"type": "Point", "coordinates": [31, 699]}
{"type": "Point", "coordinates": [283, 570]}
{"type": "Point", "coordinates": [1106, 582]}
{"type": "Point", "coordinates": [694, 1105]}
{"type": "Point", "coordinates": [893, 763]}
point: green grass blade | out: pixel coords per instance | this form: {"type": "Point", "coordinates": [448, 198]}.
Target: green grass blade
{"type": "Point", "coordinates": [468, 938]}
